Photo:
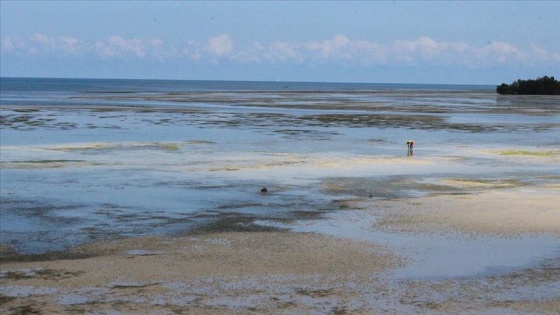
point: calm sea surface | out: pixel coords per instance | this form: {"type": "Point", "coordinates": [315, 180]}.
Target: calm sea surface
{"type": "Point", "coordinates": [86, 160]}
{"type": "Point", "coordinates": [37, 85]}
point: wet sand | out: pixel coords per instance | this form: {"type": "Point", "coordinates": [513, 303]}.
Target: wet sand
{"type": "Point", "coordinates": [287, 272]}
{"type": "Point", "coordinates": [498, 212]}
{"type": "Point", "coordinates": [205, 273]}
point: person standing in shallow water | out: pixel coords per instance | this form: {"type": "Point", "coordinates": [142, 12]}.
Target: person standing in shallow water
{"type": "Point", "coordinates": [410, 144]}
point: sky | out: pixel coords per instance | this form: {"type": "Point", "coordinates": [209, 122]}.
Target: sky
{"type": "Point", "coordinates": [455, 42]}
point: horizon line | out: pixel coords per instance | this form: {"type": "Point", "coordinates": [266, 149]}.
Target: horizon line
{"type": "Point", "coordinates": [237, 80]}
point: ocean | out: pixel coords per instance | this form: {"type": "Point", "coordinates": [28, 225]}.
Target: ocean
{"type": "Point", "coordinates": [86, 160]}
{"type": "Point", "coordinates": [42, 91]}
{"type": "Point", "coordinates": [34, 85]}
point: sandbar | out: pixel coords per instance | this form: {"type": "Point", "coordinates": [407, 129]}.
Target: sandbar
{"type": "Point", "coordinates": [512, 211]}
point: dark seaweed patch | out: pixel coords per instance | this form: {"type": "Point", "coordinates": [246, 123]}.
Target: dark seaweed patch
{"type": "Point", "coordinates": [31, 122]}
{"type": "Point", "coordinates": [316, 293]}
{"type": "Point", "coordinates": [385, 188]}
{"type": "Point", "coordinates": [232, 222]}
{"type": "Point", "coordinates": [5, 299]}
{"type": "Point", "coordinates": [48, 161]}
{"type": "Point", "coordinates": [33, 208]}
{"type": "Point", "coordinates": [24, 310]}
{"type": "Point", "coordinates": [44, 274]}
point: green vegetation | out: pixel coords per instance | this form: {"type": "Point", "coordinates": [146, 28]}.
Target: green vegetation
{"type": "Point", "coordinates": [541, 86]}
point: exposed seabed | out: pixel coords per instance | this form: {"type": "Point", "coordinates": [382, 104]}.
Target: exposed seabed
{"type": "Point", "coordinates": [160, 210]}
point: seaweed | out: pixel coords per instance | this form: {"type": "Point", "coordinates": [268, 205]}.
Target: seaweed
{"type": "Point", "coordinates": [529, 153]}
{"type": "Point", "coordinates": [24, 310]}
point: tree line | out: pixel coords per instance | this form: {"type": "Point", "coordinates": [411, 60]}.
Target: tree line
{"type": "Point", "coordinates": [541, 86]}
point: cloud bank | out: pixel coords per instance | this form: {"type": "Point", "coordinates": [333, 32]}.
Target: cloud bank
{"type": "Point", "coordinates": [423, 59]}
{"type": "Point", "coordinates": [337, 50]}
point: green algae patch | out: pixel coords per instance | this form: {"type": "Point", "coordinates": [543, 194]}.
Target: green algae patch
{"type": "Point", "coordinates": [528, 153]}
{"type": "Point", "coordinates": [49, 161]}
{"type": "Point", "coordinates": [170, 146]}
{"type": "Point", "coordinates": [100, 147]}
{"type": "Point", "coordinates": [36, 164]}
{"type": "Point", "coordinates": [484, 183]}
{"type": "Point", "coordinates": [199, 142]}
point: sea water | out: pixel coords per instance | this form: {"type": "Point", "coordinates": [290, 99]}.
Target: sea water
{"type": "Point", "coordinates": [85, 160]}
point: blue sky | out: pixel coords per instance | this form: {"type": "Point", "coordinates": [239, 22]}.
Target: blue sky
{"type": "Point", "coordinates": [475, 42]}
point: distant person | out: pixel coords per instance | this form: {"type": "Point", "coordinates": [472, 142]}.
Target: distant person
{"type": "Point", "coordinates": [410, 144]}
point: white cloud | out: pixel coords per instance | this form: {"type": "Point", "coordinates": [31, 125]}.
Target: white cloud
{"type": "Point", "coordinates": [335, 47]}
{"type": "Point", "coordinates": [43, 39]}
{"type": "Point", "coordinates": [282, 51]}
{"type": "Point", "coordinates": [65, 44]}
{"type": "Point", "coordinates": [10, 44]}
{"type": "Point", "coordinates": [500, 52]}
{"type": "Point", "coordinates": [338, 49]}
{"type": "Point", "coordinates": [220, 45]}
{"type": "Point", "coordinates": [424, 47]}
{"type": "Point", "coordinates": [274, 52]}
{"type": "Point", "coordinates": [539, 54]}
{"type": "Point", "coordinates": [114, 46]}
{"type": "Point", "coordinates": [117, 46]}
{"type": "Point", "coordinates": [41, 43]}
{"type": "Point", "coordinates": [192, 51]}
{"type": "Point", "coordinates": [342, 48]}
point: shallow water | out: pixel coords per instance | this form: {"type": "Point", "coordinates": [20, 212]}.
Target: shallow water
{"type": "Point", "coordinates": [434, 256]}
{"type": "Point", "coordinates": [86, 163]}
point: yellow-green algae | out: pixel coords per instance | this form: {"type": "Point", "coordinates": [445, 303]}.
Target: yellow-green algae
{"type": "Point", "coordinates": [171, 147]}
{"type": "Point", "coordinates": [528, 153]}
{"type": "Point", "coordinates": [120, 146]}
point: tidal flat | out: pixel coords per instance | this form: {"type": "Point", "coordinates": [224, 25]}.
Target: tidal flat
{"type": "Point", "coordinates": [144, 202]}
